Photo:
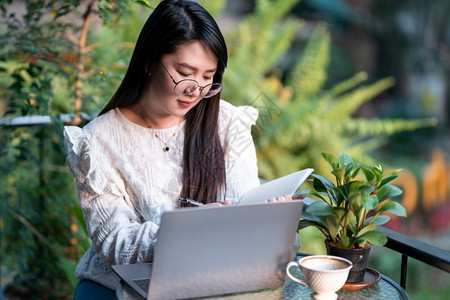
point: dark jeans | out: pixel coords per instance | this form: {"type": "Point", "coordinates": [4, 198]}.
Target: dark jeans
{"type": "Point", "coordinates": [91, 290]}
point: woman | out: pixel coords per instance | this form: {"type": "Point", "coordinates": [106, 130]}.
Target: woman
{"type": "Point", "coordinates": [165, 134]}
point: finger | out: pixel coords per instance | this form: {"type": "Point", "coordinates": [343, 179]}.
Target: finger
{"type": "Point", "coordinates": [284, 198]}
{"type": "Point", "coordinates": [281, 199]}
{"type": "Point", "coordinates": [225, 202]}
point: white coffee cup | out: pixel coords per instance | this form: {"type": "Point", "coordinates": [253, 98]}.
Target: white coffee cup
{"type": "Point", "coordinates": [324, 274]}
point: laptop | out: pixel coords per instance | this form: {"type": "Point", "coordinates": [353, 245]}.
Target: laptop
{"type": "Point", "coordinates": [286, 185]}
{"type": "Point", "coordinates": [217, 250]}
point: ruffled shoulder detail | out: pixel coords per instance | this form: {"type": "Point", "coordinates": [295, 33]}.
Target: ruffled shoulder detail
{"type": "Point", "coordinates": [85, 164]}
{"type": "Point", "coordinates": [76, 146]}
{"type": "Point", "coordinates": [73, 137]}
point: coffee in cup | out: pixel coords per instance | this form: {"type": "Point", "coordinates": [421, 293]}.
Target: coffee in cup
{"type": "Point", "coordinates": [324, 274]}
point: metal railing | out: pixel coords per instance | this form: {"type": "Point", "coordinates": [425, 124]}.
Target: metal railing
{"type": "Point", "coordinates": [410, 247]}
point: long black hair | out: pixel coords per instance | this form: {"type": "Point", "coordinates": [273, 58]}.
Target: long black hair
{"type": "Point", "coordinates": [172, 24]}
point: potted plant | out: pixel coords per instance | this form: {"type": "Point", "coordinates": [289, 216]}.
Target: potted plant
{"type": "Point", "coordinates": [349, 210]}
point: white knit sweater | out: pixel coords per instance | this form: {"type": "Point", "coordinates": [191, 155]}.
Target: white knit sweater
{"type": "Point", "coordinates": [125, 181]}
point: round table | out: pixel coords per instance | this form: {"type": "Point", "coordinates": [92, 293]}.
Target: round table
{"type": "Point", "coordinates": [386, 288]}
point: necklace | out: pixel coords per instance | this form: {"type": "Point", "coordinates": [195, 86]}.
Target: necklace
{"type": "Point", "coordinates": [166, 144]}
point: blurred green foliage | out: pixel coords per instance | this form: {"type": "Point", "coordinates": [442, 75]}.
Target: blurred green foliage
{"type": "Point", "coordinates": [299, 116]}
{"type": "Point", "coordinates": [42, 234]}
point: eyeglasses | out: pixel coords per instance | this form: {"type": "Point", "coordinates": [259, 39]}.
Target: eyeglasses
{"type": "Point", "coordinates": [188, 86]}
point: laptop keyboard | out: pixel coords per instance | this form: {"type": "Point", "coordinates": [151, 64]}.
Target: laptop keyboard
{"type": "Point", "coordinates": [142, 283]}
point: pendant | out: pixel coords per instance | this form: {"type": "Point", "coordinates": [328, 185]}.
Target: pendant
{"type": "Point", "coordinates": [166, 149]}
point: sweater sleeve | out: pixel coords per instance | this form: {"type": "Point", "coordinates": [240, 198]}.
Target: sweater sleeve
{"type": "Point", "coordinates": [119, 235]}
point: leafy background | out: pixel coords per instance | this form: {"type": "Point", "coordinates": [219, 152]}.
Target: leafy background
{"type": "Point", "coordinates": [309, 66]}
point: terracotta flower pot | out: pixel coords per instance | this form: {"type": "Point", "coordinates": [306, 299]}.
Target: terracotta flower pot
{"type": "Point", "coordinates": [358, 257]}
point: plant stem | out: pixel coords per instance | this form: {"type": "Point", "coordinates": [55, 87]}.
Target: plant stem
{"type": "Point", "coordinates": [332, 198]}
{"type": "Point", "coordinates": [361, 226]}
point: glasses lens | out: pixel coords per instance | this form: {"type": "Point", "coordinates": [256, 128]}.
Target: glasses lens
{"type": "Point", "coordinates": [185, 87]}
{"type": "Point", "coordinates": [211, 90]}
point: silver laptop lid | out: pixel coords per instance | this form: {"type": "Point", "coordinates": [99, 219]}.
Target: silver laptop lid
{"type": "Point", "coordinates": [221, 250]}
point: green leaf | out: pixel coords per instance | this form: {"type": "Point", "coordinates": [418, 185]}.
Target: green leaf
{"type": "Point", "coordinates": [370, 175]}
{"type": "Point", "coordinates": [378, 171]}
{"type": "Point", "coordinates": [339, 173]}
{"type": "Point", "coordinates": [386, 180]}
{"type": "Point", "coordinates": [359, 186]}
{"type": "Point", "coordinates": [350, 220]}
{"type": "Point", "coordinates": [355, 172]}
{"type": "Point", "coordinates": [394, 208]}
{"type": "Point", "coordinates": [344, 159]}
{"type": "Point", "coordinates": [379, 220]}
{"type": "Point", "coordinates": [320, 208]}
{"type": "Point", "coordinates": [340, 193]}
{"type": "Point", "coordinates": [362, 244]}
{"type": "Point", "coordinates": [360, 214]}
{"type": "Point", "coordinates": [373, 237]}
{"type": "Point", "coordinates": [340, 213]}
{"type": "Point", "coordinates": [348, 171]}
{"type": "Point", "coordinates": [388, 191]}
{"type": "Point", "coordinates": [322, 184]}
{"type": "Point", "coordinates": [395, 172]}
{"type": "Point", "coordinates": [356, 187]}
{"type": "Point", "coordinates": [306, 223]}
{"type": "Point", "coordinates": [320, 196]}
{"type": "Point", "coordinates": [311, 220]}
{"type": "Point", "coordinates": [333, 226]}
{"type": "Point", "coordinates": [346, 243]}
{"type": "Point", "coordinates": [365, 229]}
{"type": "Point", "coordinates": [331, 159]}
{"type": "Point", "coordinates": [369, 202]}
{"type": "Point", "coordinates": [302, 193]}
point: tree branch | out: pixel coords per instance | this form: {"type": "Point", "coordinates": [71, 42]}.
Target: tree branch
{"type": "Point", "coordinates": [80, 65]}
